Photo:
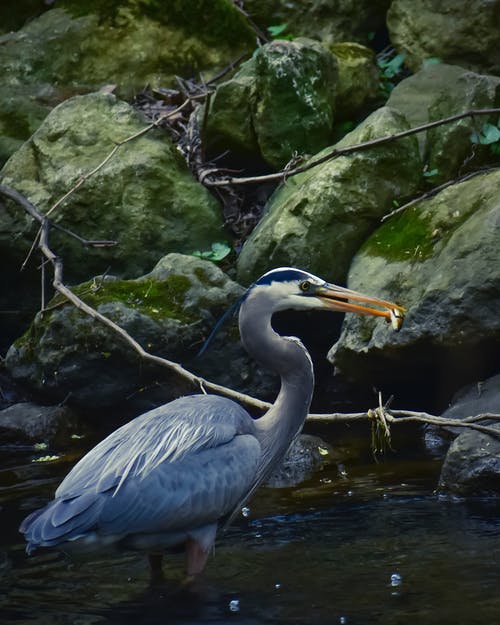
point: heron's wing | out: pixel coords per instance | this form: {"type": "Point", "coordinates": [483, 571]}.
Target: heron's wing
{"type": "Point", "coordinates": [173, 498]}
{"type": "Point", "coordinates": [166, 434]}
{"type": "Point", "coordinates": [166, 471]}
{"type": "Point", "coordinates": [188, 493]}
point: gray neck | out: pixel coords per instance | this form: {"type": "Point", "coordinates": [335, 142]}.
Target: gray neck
{"type": "Point", "coordinates": [287, 357]}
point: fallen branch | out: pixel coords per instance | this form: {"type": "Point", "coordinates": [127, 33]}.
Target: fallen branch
{"type": "Point", "coordinates": [206, 179]}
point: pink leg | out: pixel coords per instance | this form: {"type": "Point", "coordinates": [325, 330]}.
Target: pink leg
{"type": "Point", "coordinates": [196, 557]}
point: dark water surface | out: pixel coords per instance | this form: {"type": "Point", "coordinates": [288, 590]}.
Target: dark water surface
{"type": "Point", "coordinates": [359, 543]}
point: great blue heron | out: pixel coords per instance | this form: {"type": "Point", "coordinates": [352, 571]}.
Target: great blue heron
{"type": "Point", "coordinates": [169, 477]}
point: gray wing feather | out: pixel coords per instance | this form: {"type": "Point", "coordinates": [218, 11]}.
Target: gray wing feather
{"type": "Point", "coordinates": [177, 467]}
{"type": "Point", "coordinates": [165, 434]}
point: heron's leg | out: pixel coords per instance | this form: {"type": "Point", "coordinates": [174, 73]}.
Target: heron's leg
{"type": "Point", "coordinates": [155, 560]}
{"type": "Point", "coordinates": [196, 557]}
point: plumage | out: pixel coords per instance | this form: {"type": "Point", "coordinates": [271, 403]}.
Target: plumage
{"type": "Point", "coordinates": [173, 474]}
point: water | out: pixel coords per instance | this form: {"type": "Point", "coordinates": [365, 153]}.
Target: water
{"type": "Point", "coordinates": [358, 544]}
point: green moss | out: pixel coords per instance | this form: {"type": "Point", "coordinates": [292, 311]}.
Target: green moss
{"type": "Point", "coordinates": [158, 299]}
{"type": "Point", "coordinates": [403, 237]}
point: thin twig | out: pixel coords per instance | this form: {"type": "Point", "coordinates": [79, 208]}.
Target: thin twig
{"type": "Point", "coordinates": [336, 152]}
{"type": "Point", "coordinates": [435, 190]}
{"type": "Point", "coordinates": [398, 417]}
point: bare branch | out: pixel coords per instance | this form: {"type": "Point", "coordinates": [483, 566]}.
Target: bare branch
{"type": "Point", "coordinates": [398, 417]}
{"type": "Point", "coordinates": [45, 226]}
{"type": "Point", "coordinates": [435, 190]}
{"type": "Point", "coordinates": [336, 152]}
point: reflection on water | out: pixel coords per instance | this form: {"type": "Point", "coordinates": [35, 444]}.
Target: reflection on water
{"type": "Point", "coordinates": [368, 544]}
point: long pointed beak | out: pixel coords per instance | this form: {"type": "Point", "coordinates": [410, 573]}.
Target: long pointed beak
{"type": "Point", "coordinates": [340, 298]}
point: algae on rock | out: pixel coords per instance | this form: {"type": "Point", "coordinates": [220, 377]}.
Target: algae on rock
{"type": "Point", "coordinates": [80, 46]}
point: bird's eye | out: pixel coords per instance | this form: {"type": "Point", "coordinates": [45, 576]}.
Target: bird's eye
{"type": "Point", "coordinates": [305, 285]}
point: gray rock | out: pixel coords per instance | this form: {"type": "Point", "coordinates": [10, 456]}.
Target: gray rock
{"type": "Point", "coordinates": [458, 32]}
{"type": "Point", "coordinates": [479, 398]}
{"type": "Point", "coordinates": [280, 102]}
{"type": "Point", "coordinates": [29, 422]}
{"type": "Point", "coordinates": [441, 260]}
{"type": "Point", "coordinates": [318, 219]}
{"type": "Point", "coordinates": [169, 311]}
{"type": "Point", "coordinates": [306, 455]}
{"type": "Point", "coordinates": [144, 197]}
{"type": "Point", "coordinates": [472, 465]}
{"type": "Point", "coordinates": [440, 91]}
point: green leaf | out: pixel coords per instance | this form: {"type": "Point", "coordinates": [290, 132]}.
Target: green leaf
{"type": "Point", "coordinates": [432, 172]}
{"type": "Point", "coordinates": [490, 134]}
{"type": "Point", "coordinates": [433, 60]}
{"type": "Point", "coordinates": [216, 253]}
{"type": "Point", "coordinates": [393, 67]}
{"type": "Point", "coordinates": [277, 30]}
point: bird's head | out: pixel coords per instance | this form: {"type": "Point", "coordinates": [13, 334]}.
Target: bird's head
{"type": "Point", "coordinates": [291, 288]}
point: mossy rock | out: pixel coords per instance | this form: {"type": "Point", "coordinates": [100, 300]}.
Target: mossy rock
{"type": "Point", "coordinates": [169, 311]}
{"type": "Point", "coordinates": [358, 81]}
{"type": "Point", "coordinates": [144, 197]}
{"type": "Point", "coordinates": [459, 33]}
{"type": "Point", "coordinates": [81, 46]}
{"type": "Point", "coordinates": [320, 218]}
{"type": "Point", "coordinates": [440, 259]}
{"type": "Point", "coordinates": [330, 21]}
{"type": "Point", "coordinates": [439, 91]}
{"type": "Point", "coordinates": [280, 102]}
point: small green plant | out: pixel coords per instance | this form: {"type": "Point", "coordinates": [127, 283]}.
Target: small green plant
{"type": "Point", "coordinates": [216, 253]}
{"type": "Point", "coordinates": [430, 173]}
{"type": "Point", "coordinates": [277, 31]}
{"type": "Point", "coordinates": [488, 135]}
{"type": "Point", "coordinates": [391, 66]}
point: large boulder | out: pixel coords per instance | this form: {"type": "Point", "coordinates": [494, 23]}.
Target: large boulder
{"type": "Point", "coordinates": [144, 197]}
{"type": "Point", "coordinates": [440, 259]}
{"type": "Point", "coordinates": [319, 219]}
{"type": "Point", "coordinates": [169, 311]}
{"type": "Point", "coordinates": [458, 32]}
{"type": "Point", "coordinates": [84, 46]}
{"type": "Point", "coordinates": [438, 91]}
{"type": "Point", "coordinates": [280, 102]}
{"type": "Point", "coordinates": [472, 465]}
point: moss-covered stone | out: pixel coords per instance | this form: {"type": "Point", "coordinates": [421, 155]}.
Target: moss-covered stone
{"type": "Point", "coordinates": [280, 102]}
{"type": "Point", "coordinates": [441, 260]}
{"type": "Point", "coordinates": [461, 33]}
{"type": "Point", "coordinates": [439, 91]}
{"type": "Point", "coordinates": [319, 219]}
{"type": "Point", "coordinates": [328, 20]}
{"type": "Point", "coordinates": [358, 80]}
{"type": "Point", "coordinates": [144, 197]}
{"type": "Point", "coordinates": [81, 46]}
{"type": "Point", "coordinates": [169, 311]}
